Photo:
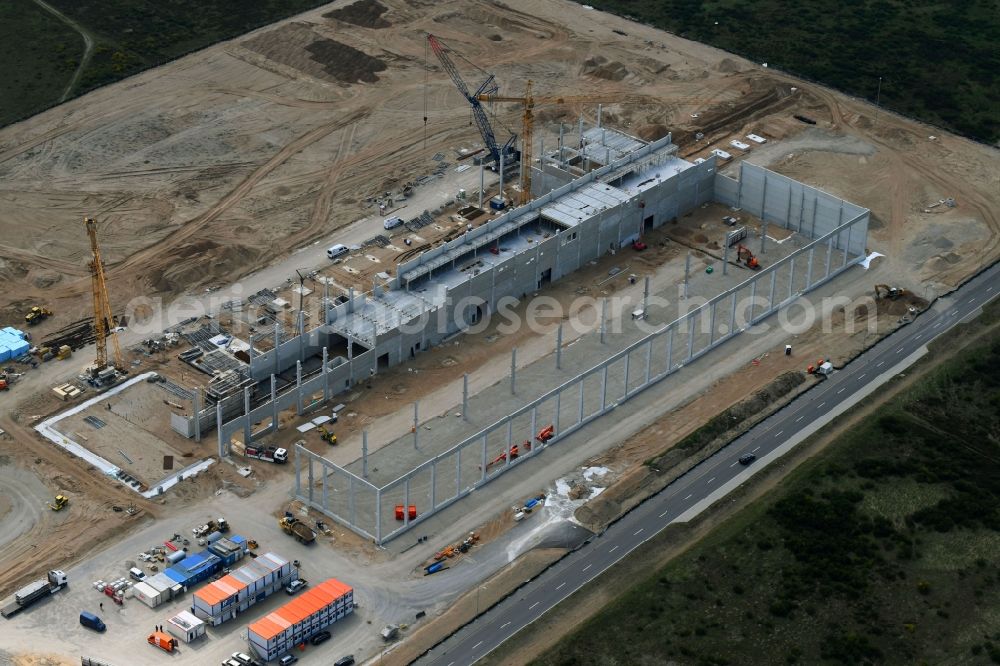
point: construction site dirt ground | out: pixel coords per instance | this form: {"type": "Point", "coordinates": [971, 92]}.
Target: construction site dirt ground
{"type": "Point", "coordinates": [229, 164]}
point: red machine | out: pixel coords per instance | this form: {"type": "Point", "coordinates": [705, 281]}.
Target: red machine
{"type": "Point", "coordinates": [412, 512]}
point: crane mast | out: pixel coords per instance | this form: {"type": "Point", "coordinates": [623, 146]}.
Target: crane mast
{"type": "Point", "coordinates": [103, 319]}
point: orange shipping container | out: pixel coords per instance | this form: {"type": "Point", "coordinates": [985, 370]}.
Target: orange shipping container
{"type": "Point", "coordinates": [310, 612]}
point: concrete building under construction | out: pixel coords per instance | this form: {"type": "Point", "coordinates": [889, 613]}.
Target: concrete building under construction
{"type": "Point", "coordinates": [590, 200]}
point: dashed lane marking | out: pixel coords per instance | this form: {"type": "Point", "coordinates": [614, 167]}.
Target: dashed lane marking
{"type": "Point", "coordinates": [841, 390]}
{"type": "Point", "coordinates": [712, 479]}
{"type": "Point", "coordinates": [505, 625]}
{"type": "Point", "coordinates": [477, 645]}
{"type": "Point", "coordinates": [533, 605]}
{"type": "Point", "coordinates": [560, 585]}
{"type": "Point", "coordinates": [800, 418]}
{"type": "Point", "coordinates": [755, 450]}
{"type": "Point", "coordinates": [862, 376]}
{"type": "Point", "coordinates": [585, 569]}
{"type": "Point", "coordinates": [639, 531]}
{"type": "Point", "coordinates": [780, 432]}
{"type": "Point", "coordinates": [689, 496]}
{"type": "Point", "coordinates": [613, 549]}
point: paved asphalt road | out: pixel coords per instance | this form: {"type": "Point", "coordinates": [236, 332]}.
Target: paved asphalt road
{"type": "Point", "coordinates": [599, 554]}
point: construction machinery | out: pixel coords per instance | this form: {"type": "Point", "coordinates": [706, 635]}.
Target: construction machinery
{"type": "Point", "coordinates": [327, 436]}
{"type": "Point", "coordinates": [60, 502]}
{"type": "Point", "coordinates": [885, 291]}
{"type": "Point", "coordinates": [37, 315]}
{"type": "Point", "coordinates": [486, 88]}
{"type": "Point", "coordinates": [744, 255]}
{"type": "Point", "coordinates": [104, 321]}
{"type": "Point", "coordinates": [528, 102]}
{"type": "Point", "coordinates": [292, 526]}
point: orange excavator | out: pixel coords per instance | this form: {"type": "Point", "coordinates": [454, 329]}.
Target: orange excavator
{"type": "Point", "coordinates": [744, 255]}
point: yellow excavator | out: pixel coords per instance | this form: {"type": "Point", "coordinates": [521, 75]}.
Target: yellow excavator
{"type": "Point", "coordinates": [327, 436]}
{"type": "Point", "coordinates": [60, 502]}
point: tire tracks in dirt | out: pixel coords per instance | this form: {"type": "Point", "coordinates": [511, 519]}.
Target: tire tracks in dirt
{"type": "Point", "coordinates": [59, 539]}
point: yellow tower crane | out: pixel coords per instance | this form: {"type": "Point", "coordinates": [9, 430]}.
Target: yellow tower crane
{"type": "Point", "coordinates": [103, 319]}
{"type": "Point", "coordinates": [529, 101]}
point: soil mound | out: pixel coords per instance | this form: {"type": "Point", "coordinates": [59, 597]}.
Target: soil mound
{"type": "Point", "coordinates": [297, 45]}
{"type": "Point", "coordinates": [598, 66]}
{"type": "Point", "coordinates": [365, 13]}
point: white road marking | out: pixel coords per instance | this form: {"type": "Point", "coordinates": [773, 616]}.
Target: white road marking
{"type": "Point", "coordinates": [989, 288]}
{"type": "Point", "coordinates": [477, 645]}
{"type": "Point", "coordinates": [899, 351]}
{"type": "Point", "coordinates": [451, 663]}
{"type": "Point", "coordinates": [661, 516]}
{"type": "Point", "coordinates": [862, 376]}
{"type": "Point", "coordinates": [613, 549]}
{"type": "Point", "coordinates": [880, 364]}
{"type": "Point", "coordinates": [639, 531]}
{"type": "Point", "coordinates": [585, 568]}
{"type": "Point", "coordinates": [779, 433]}
{"type": "Point", "coordinates": [734, 463]}
{"type": "Point", "coordinates": [919, 336]}
{"type": "Point", "coordinates": [936, 325]}
{"type": "Point", "coordinates": [560, 585]}
{"type": "Point", "coordinates": [841, 390]}
{"type": "Point", "coordinates": [505, 625]}
{"type": "Point", "coordinates": [972, 300]}
{"type": "Point", "coordinates": [820, 405]}
{"type": "Point", "coordinates": [755, 450]}
{"type": "Point", "coordinates": [800, 418]}
{"type": "Point", "coordinates": [533, 605]}
{"type": "Point", "coordinates": [689, 496]}
{"type": "Point", "coordinates": [712, 479]}
{"type": "Point", "coordinates": [953, 313]}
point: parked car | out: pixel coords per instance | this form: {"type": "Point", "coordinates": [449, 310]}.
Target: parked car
{"type": "Point", "coordinates": [747, 458]}
{"type": "Point", "coordinates": [392, 222]}
{"type": "Point", "coordinates": [320, 637]}
{"type": "Point", "coordinates": [287, 660]}
{"type": "Point", "coordinates": [244, 659]}
{"type": "Point", "coordinates": [345, 661]}
{"type": "Point", "coordinates": [295, 586]}
{"type": "Point", "coordinates": [137, 574]}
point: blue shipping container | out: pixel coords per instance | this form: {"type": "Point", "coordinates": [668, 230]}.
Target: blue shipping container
{"type": "Point", "coordinates": [175, 575]}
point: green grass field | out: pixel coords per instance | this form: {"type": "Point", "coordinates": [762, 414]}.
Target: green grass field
{"type": "Point", "coordinates": [939, 61]}
{"type": "Point", "coordinates": [38, 55]}
{"type": "Point", "coordinates": [40, 52]}
{"type": "Point", "coordinates": [883, 549]}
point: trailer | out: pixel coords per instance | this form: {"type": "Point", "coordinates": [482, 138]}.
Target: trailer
{"type": "Point", "coordinates": [29, 594]}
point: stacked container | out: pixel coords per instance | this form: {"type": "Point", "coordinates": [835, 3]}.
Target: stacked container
{"type": "Point", "coordinates": [304, 616]}
{"type": "Point", "coordinates": [226, 550]}
{"type": "Point", "coordinates": [223, 599]}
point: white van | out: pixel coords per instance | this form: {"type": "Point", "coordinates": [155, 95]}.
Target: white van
{"type": "Point", "coordinates": [337, 250]}
{"type": "Point", "coordinates": [392, 222]}
{"type": "Point", "coordinates": [137, 574]}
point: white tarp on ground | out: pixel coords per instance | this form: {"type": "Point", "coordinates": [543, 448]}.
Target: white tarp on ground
{"type": "Point", "coordinates": [866, 262]}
